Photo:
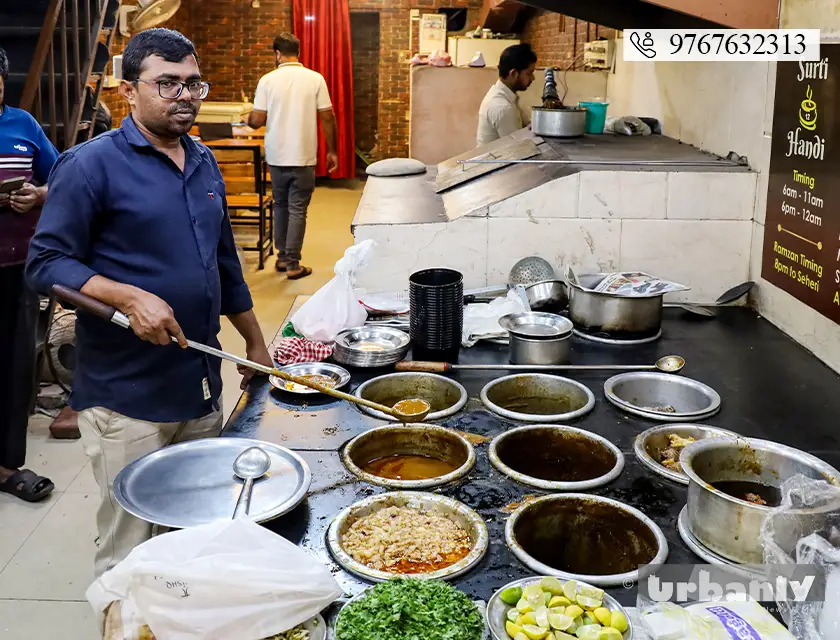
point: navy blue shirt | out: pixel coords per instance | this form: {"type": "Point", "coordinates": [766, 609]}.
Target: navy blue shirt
{"type": "Point", "coordinates": [119, 208]}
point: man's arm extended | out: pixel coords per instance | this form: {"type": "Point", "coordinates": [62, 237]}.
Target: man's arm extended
{"type": "Point", "coordinates": [328, 124]}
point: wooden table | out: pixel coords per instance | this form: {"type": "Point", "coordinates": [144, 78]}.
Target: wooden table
{"type": "Point", "coordinates": [239, 131]}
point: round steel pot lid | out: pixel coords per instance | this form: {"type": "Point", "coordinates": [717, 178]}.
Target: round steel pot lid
{"type": "Point", "coordinates": [585, 438]}
{"type": "Point", "coordinates": [495, 615]}
{"type": "Point", "coordinates": [581, 399]}
{"type": "Point", "coordinates": [193, 483]}
{"type": "Point", "coordinates": [339, 375]}
{"type": "Point", "coordinates": [600, 580]}
{"type": "Point", "coordinates": [641, 392]}
{"type": "Point", "coordinates": [657, 438]}
{"type": "Point", "coordinates": [445, 396]}
{"type": "Point", "coordinates": [467, 518]}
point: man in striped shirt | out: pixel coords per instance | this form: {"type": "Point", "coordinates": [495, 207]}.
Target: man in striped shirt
{"type": "Point", "coordinates": [25, 153]}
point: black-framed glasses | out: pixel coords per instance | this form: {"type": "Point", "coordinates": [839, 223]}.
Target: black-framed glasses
{"type": "Point", "coordinates": [172, 89]}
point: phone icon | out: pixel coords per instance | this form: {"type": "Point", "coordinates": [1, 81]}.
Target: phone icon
{"type": "Point", "coordinates": [643, 45]}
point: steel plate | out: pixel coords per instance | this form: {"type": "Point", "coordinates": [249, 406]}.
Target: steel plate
{"type": "Point", "coordinates": [472, 523]}
{"type": "Point", "coordinates": [339, 375]}
{"type": "Point", "coordinates": [193, 483]}
{"type": "Point", "coordinates": [496, 613]}
{"type": "Point", "coordinates": [650, 437]}
{"type": "Point", "coordinates": [635, 391]}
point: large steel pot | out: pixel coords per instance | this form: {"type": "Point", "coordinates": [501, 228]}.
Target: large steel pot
{"type": "Point", "coordinates": [728, 525]}
{"type": "Point", "coordinates": [566, 122]}
{"type": "Point", "coordinates": [617, 316]}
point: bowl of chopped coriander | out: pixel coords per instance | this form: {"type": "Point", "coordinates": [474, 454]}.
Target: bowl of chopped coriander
{"type": "Point", "coordinates": [428, 609]}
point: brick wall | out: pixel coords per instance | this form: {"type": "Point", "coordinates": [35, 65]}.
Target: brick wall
{"type": "Point", "coordinates": [558, 40]}
{"type": "Point", "coordinates": [181, 21]}
{"type": "Point", "coordinates": [364, 31]}
{"type": "Point", "coordinates": [234, 43]}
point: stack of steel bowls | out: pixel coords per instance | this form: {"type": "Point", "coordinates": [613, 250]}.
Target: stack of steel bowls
{"type": "Point", "coordinates": [437, 314]}
{"type": "Point", "coordinates": [370, 347]}
{"type": "Point", "coordinates": [538, 338]}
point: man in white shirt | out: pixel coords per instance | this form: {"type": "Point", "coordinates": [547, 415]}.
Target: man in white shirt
{"type": "Point", "coordinates": [289, 103]}
{"type": "Point", "coordinates": [499, 115]}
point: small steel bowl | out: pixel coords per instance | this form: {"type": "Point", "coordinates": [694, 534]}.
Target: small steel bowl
{"type": "Point", "coordinates": [548, 293]}
{"type": "Point", "coordinates": [536, 325]}
{"type": "Point", "coordinates": [495, 615]}
{"type": "Point", "coordinates": [370, 346]}
{"type": "Point", "coordinates": [537, 397]}
{"type": "Point", "coordinates": [584, 460]}
{"type": "Point", "coordinates": [576, 527]}
{"type": "Point", "coordinates": [651, 442]}
{"type": "Point", "coordinates": [445, 396]}
{"type": "Point", "coordinates": [418, 439]}
{"type": "Point", "coordinates": [639, 391]}
{"type": "Point", "coordinates": [339, 375]}
{"type": "Point", "coordinates": [472, 523]}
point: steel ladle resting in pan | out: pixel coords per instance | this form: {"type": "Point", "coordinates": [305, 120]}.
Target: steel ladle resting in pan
{"type": "Point", "coordinates": [410, 410]}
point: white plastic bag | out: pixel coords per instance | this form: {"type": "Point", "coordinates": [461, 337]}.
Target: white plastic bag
{"type": "Point", "coordinates": [335, 306]}
{"type": "Point", "coordinates": [228, 579]}
{"type": "Point", "coordinates": [481, 321]}
{"type": "Point", "coordinates": [711, 621]}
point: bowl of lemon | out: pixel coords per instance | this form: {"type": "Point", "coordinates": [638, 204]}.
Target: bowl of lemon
{"type": "Point", "coordinates": [547, 608]}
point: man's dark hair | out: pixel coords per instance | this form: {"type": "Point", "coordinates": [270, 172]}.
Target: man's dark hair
{"type": "Point", "coordinates": [517, 57]}
{"type": "Point", "coordinates": [287, 44]}
{"type": "Point", "coordinates": [4, 65]}
{"type": "Point", "coordinates": [170, 45]}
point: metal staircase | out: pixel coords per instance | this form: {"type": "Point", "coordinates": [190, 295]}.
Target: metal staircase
{"type": "Point", "coordinates": [58, 50]}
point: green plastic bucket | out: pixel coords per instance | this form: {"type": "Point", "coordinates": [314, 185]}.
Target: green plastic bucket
{"type": "Point", "coordinates": [596, 116]}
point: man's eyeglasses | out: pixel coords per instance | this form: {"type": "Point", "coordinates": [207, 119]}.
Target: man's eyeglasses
{"type": "Point", "coordinates": [172, 89]}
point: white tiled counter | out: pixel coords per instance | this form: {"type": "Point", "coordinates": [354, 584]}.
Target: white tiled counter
{"type": "Point", "coordinates": [693, 226]}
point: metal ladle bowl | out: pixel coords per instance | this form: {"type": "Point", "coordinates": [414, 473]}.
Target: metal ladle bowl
{"type": "Point", "coordinates": [670, 364]}
{"type": "Point", "coordinates": [249, 465]}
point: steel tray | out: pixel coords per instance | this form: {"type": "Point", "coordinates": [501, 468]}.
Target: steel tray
{"type": "Point", "coordinates": [193, 483]}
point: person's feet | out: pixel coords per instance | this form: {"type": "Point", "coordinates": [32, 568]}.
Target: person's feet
{"type": "Point", "coordinates": [25, 484]}
{"type": "Point", "coordinates": [282, 264]}
{"type": "Point", "coordinates": [298, 272]}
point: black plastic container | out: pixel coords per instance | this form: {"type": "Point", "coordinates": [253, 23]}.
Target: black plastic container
{"type": "Point", "coordinates": [437, 314]}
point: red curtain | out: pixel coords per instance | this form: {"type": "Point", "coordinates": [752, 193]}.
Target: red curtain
{"type": "Point", "coordinates": [323, 27]}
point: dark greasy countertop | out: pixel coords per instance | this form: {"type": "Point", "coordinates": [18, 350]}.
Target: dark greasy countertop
{"type": "Point", "coordinates": [770, 386]}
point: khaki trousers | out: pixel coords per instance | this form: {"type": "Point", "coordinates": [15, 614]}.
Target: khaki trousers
{"type": "Point", "coordinates": [112, 441]}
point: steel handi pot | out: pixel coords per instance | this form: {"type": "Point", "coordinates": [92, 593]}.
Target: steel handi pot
{"type": "Point", "coordinates": [566, 122]}
{"type": "Point", "coordinates": [535, 351]}
{"type": "Point", "coordinates": [594, 312]}
{"type": "Point", "coordinates": [729, 525]}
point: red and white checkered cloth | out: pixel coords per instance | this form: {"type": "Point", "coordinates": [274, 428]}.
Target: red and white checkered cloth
{"type": "Point", "coordinates": [294, 350]}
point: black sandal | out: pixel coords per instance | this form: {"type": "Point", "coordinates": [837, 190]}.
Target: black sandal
{"type": "Point", "coordinates": [27, 485]}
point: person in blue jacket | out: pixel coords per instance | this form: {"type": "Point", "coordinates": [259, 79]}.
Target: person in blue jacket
{"type": "Point", "coordinates": [25, 154]}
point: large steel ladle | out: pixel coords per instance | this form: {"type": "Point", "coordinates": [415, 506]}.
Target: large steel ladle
{"type": "Point", "coordinates": [666, 364]}
{"type": "Point", "coordinates": [410, 410]}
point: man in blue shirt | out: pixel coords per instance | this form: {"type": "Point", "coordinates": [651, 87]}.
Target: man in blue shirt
{"type": "Point", "coordinates": [137, 218]}
{"type": "Point", "coordinates": [25, 153]}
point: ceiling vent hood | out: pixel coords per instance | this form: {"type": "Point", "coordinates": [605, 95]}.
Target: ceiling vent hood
{"type": "Point", "coordinates": [669, 14]}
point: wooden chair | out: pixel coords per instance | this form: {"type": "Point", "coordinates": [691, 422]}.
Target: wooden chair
{"type": "Point", "coordinates": [248, 196]}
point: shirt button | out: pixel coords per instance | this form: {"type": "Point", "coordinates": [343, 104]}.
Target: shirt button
{"type": "Point", "coordinates": [194, 220]}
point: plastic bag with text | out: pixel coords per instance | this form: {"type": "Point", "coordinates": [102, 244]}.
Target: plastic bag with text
{"type": "Point", "coordinates": [335, 306]}
{"type": "Point", "coordinates": [710, 621]}
{"type": "Point", "coordinates": [228, 579]}
{"type": "Point", "coordinates": [805, 530]}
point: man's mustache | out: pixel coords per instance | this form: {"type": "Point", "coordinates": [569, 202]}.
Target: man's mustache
{"type": "Point", "coordinates": [186, 108]}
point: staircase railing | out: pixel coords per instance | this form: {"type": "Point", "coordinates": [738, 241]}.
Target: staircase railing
{"type": "Point", "coordinates": [56, 90]}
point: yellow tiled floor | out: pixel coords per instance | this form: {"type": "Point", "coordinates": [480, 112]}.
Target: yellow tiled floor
{"type": "Point", "coordinates": [46, 550]}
